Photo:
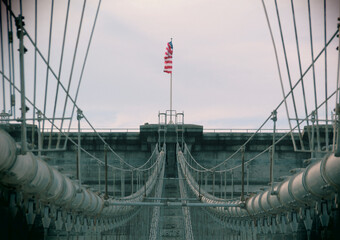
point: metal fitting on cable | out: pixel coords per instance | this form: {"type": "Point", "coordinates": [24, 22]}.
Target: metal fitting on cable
{"type": "Point", "coordinates": [19, 23]}
{"type": "Point", "coordinates": [274, 116]}
{"type": "Point", "coordinates": [39, 114]}
{"type": "Point", "coordinates": [313, 117]}
{"type": "Point", "coordinates": [79, 114]}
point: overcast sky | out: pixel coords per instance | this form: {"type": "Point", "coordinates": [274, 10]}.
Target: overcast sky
{"type": "Point", "coordinates": [224, 69]}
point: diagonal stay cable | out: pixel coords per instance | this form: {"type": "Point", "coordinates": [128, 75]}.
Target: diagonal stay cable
{"type": "Point", "coordinates": [109, 147]}
{"type": "Point", "coordinates": [283, 100]}
{"type": "Point", "coordinates": [42, 57]}
{"type": "Point", "coordinates": [74, 106]}
{"type": "Point", "coordinates": [73, 142]}
{"type": "Point", "coordinates": [280, 139]}
{"type": "Point", "coordinates": [268, 148]}
{"type": "Point", "coordinates": [288, 72]}
{"type": "Point", "coordinates": [67, 93]}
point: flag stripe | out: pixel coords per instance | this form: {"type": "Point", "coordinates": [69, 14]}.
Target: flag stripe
{"type": "Point", "coordinates": [168, 58]}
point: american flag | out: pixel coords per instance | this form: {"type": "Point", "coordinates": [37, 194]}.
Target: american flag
{"type": "Point", "coordinates": [168, 58]}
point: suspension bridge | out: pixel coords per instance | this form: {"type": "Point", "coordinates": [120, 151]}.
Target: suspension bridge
{"type": "Point", "coordinates": [168, 180]}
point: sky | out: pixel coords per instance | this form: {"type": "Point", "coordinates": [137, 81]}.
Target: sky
{"type": "Point", "coordinates": [224, 69]}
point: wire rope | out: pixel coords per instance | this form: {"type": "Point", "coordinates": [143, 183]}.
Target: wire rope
{"type": "Point", "coordinates": [72, 66]}
{"type": "Point", "coordinates": [48, 63]}
{"type": "Point", "coordinates": [2, 64]}
{"type": "Point", "coordinates": [288, 72]}
{"type": "Point", "coordinates": [313, 71]}
{"type": "Point", "coordinates": [61, 63]}
{"type": "Point", "coordinates": [299, 61]}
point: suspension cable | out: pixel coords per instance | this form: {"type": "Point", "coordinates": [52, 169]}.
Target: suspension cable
{"type": "Point", "coordinates": [48, 63]}
{"type": "Point", "coordinates": [35, 63]}
{"type": "Point", "coordinates": [285, 135]}
{"type": "Point", "coordinates": [326, 83]}
{"type": "Point", "coordinates": [84, 63]}
{"type": "Point", "coordinates": [60, 64]}
{"type": "Point", "coordinates": [2, 64]}
{"type": "Point", "coordinates": [72, 141]}
{"type": "Point", "coordinates": [66, 91]}
{"type": "Point", "coordinates": [288, 73]}
{"type": "Point", "coordinates": [299, 61]}
{"type": "Point", "coordinates": [72, 67]}
{"type": "Point", "coordinates": [313, 71]}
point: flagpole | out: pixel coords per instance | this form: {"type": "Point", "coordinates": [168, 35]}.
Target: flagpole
{"type": "Point", "coordinates": [171, 98]}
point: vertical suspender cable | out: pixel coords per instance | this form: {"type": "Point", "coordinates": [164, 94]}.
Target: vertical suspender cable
{"type": "Point", "coordinates": [300, 69]}
{"type": "Point", "coordinates": [337, 107]}
{"type": "Point", "coordinates": [326, 83]}
{"type": "Point", "coordinates": [225, 185]}
{"type": "Point", "coordinates": [221, 184]}
{"type": "Point", "coordinates": [82, 70]}
{"type": "Point", "coordinates": [288, 73]}
{"type": "Point", "coordinates": [242, 174]}
{"type": "Point", "coordinates": [232, 184]}
{"type": "Point", "coordinates": [105, 159]}
{"type": "Point", "coordinates": [60, 67]}
{"type": "Point", "coordinates": [9, 8]}
{"type": "Point", "coordinates": [47, 70]}
{"type": "Point", "coordinates": [279, 71]}
{"type": "Point", "coordinates": [314, 82]}
{"type": "Point", "coordinates": [2, 65]}
{"type": "Point", "coordinates": [20, 33]}
{"type": "Point", "coordinates": [272, 162]}
{"type": "Point", "coordinates": [71, 74]}
{"type": "Point", "coordinates": [113, 183]}
{"type": "Point", "coordinates": [10, 41]}
{"type": "Point", "coordinates": [247, 179]}
{"type": "Point", "coordinates": [35, 65]}
{"type": "Point", "coordinates": [21, 7]}
{"type": "Point", "coordinates": [99, 177]}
